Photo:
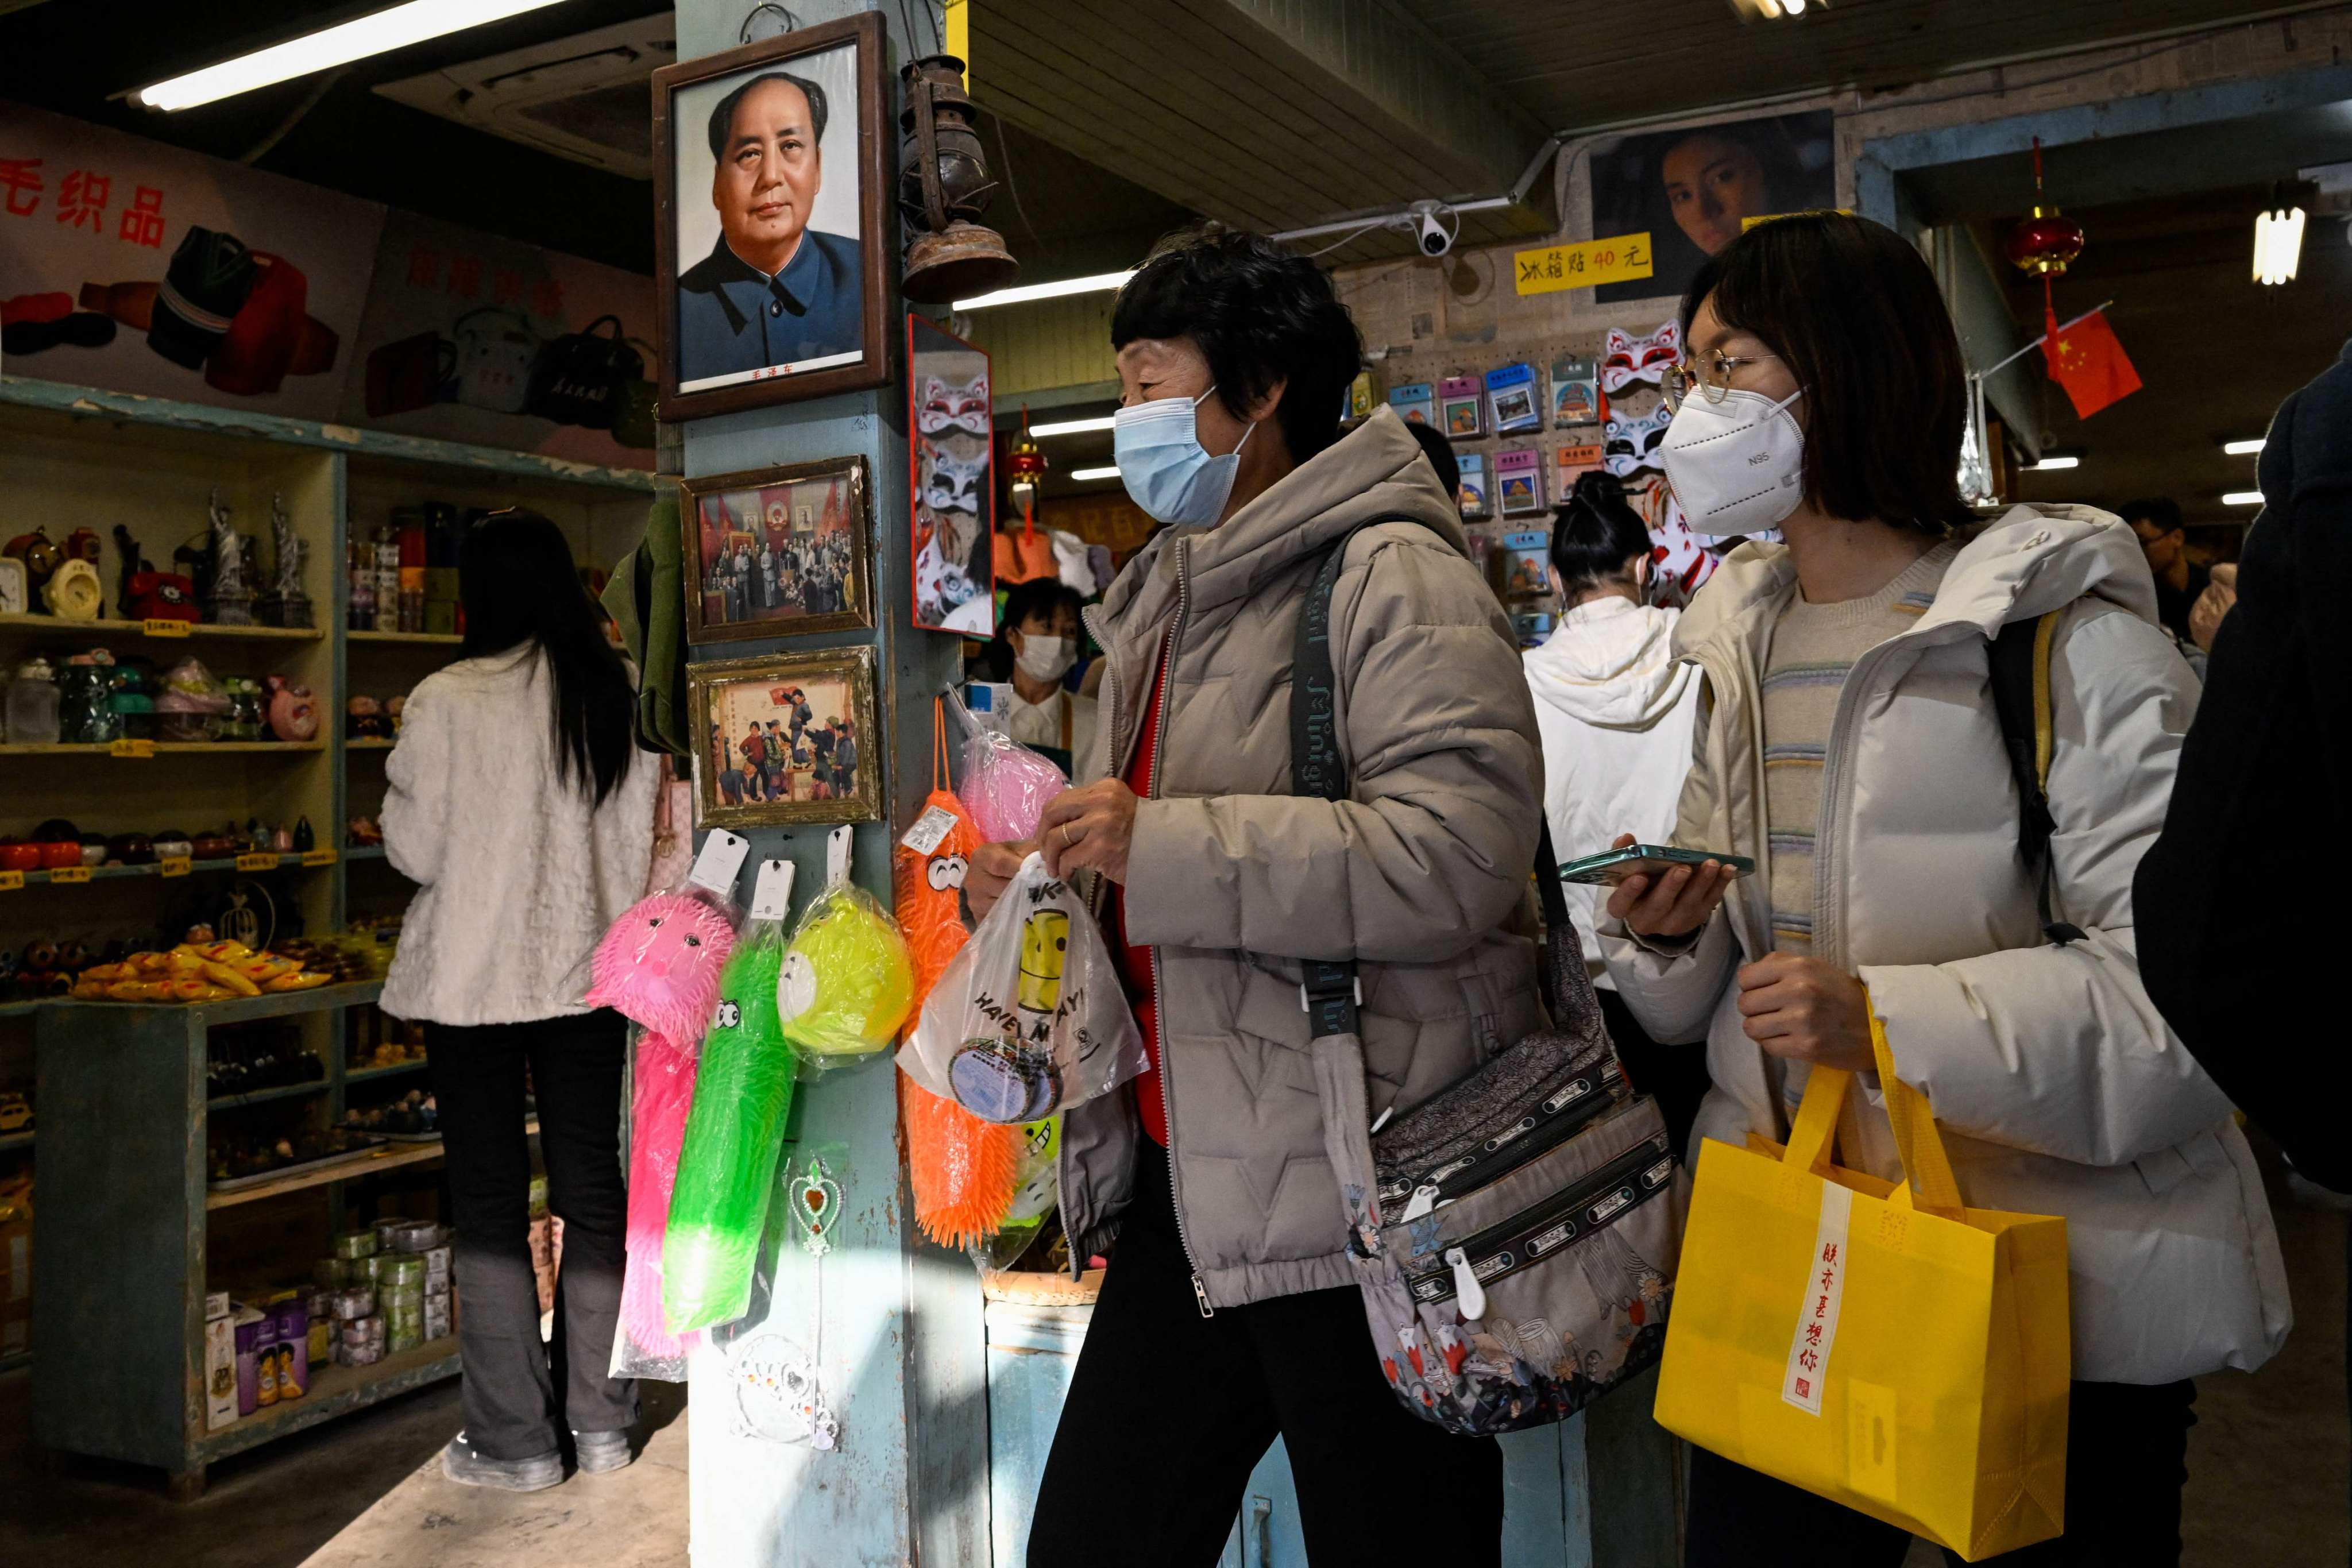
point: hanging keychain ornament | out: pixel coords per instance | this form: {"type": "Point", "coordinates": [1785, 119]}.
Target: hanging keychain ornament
{"type": "Point", "coordinates": [816, 1199]}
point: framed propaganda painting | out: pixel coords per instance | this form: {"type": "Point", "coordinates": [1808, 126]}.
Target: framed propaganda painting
{"type": "Point", "coordinates": [788, 738]}
{"type": "Point", "coordinates": [770, 220]}
{"type": "Point", "coordinates": [773, 553]}
{"type": "Point", "coordinates": [949, 439]}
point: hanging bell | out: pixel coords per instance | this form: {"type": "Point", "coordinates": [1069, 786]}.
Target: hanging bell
{"type": "Point", "coordinates": [944, 188]}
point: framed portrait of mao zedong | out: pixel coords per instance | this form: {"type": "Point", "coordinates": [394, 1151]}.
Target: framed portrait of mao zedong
{"type": "Point", "coordinates": [771, 220]}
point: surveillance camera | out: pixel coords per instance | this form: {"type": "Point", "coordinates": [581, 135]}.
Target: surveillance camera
{"type": "Point", "coordinates": [1430, 229]}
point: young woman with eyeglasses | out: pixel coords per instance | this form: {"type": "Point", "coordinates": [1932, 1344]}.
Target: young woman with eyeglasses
{"type": "Point", "coordinates": [1850, 746]}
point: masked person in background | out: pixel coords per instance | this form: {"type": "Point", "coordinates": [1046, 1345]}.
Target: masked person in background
{"type": "Point", "coordinates": [1616, 710]}
{"type": "Point", "coordinates": [1851, 747]}
{"type": "Point", "coordinates": [1230, 1314]}
{"type": "Point", "coordinates": [1037, 643]}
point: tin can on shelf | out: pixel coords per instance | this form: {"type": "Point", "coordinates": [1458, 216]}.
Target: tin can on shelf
{"type": "Point", "coordinates": [349, 1244]}
{"type": "Point", "coordinates": [414, 1235]}
{"type": "Point", "coordinates": [354, 1301]}
{"type": "Point", "coordinates": [332, 1272]}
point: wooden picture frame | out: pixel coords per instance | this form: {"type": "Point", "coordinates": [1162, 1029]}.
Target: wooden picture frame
{"type": "Point", "coordinates": [758, 550]}
{"type": "Point", "coordinates": [716, 356]}
{"type": "Point", "coordinates": [948, 461]}
{"type": "Point", "coordinates": [795, 697]}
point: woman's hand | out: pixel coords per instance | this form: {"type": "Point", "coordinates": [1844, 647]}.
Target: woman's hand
{"type": "Point", "coordinates": [2220, 595]}
{"type": "Point", "coordinates": [1802, 1010]}
{"type": "Point", "coordinates": [992, 868]}
{"type": "Point", "coordinates": [1672, 906]}
{"type": "Point", "coordinates": [1090, 828]}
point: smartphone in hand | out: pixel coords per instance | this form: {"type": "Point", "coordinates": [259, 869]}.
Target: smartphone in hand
{"type": "Point", "coordinates": [1613, 866]}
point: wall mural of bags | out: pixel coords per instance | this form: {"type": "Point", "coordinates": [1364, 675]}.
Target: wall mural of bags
{"type": "Point", "coordinates": [633, 424]}
{"type": "Point", "coordinates": [410, 373]}
{"type": "Point", "coordinates": [496, 347]}
{"type": "Point", "coordinates": [255, 355]}
{"type": "Point", "coordinates": [209, 278]}
{"type": "Point", "coordinates": [579, 378]}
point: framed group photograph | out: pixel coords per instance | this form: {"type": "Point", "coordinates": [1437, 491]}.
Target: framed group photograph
{"type": "Point", "coordinates": [786, 737]}
{"type": "Point", "coordinates": [773, 553]}
{"type": "Point", "coordinates": [950, 436]}
{"type": "Point", "coordinates": [770, 224]}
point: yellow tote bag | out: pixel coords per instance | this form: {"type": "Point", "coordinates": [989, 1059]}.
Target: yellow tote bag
{"type": "Point", "coordinates": [1884, 1347]}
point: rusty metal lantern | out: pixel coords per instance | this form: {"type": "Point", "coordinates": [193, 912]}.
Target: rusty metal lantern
{"type": "Point", "coordinates": [1026, 466]}
{"type": "Point", "coordinates": [944, 188]}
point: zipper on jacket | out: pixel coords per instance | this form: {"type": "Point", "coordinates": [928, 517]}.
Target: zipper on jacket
{"type": "Point", "coordinates": [1167, 678]}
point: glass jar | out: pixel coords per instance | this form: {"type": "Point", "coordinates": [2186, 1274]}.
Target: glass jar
{"type": "Point", "coordinates": [244, 719]}
{"type": "Point", "coordinates": [32, 708]}
{"type": "Point", "coordinates": [86, 715]}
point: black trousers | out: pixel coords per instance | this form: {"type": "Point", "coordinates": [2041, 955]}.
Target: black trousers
{"type": "Point", "coordinates": [521, 1392]}
{"type": "Point", "coordinates": [1675, 1076]}
{"type": "Point", "coordinates": [1169, 1412]}
{"type": "Point", "coordinates": [2127, 1448]}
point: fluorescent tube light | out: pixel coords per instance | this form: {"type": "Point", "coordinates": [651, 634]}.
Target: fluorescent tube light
{"type": "Point", "coordinates": [1071, 426]}
{"type": "Point", "coordinates": [330, 47]}
{"type": "Point", "coordinates": [2278, 245]}
{"type": "Point", "coordinates": [2052, 464]}
{"type": "Point", "coordinates": [2243, 448]}
{"type": "Point", "coordinates": [2243, 497]}
{"type": "Point", "coordinates": [1110, 473]}
{"type": "Point", "coordinates": [1028, 291]}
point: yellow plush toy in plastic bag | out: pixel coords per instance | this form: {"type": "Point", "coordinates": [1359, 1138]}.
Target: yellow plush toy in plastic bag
{"type": "Point", "coordinates": [1885, 1347]}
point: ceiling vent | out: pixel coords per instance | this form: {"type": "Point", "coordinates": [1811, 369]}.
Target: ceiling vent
{"type": "Point", "coordinates": [588, 98]}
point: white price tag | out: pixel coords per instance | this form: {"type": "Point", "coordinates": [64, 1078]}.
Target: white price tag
{"type": "Point", "coordinates": [836, 856]}
{"type": "Point", "coordinates": [771, 898]}
{"type": "Point", "coordinates": [721, 857]}
{"type": "Point", "coordinates": [930, 830]}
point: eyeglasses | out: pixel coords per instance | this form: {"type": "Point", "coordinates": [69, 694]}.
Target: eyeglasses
{"type": "Point", "coordinates": [1709, 375]}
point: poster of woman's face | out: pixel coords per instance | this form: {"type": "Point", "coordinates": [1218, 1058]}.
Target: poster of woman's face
{"type": "Point", "coordinates": [786, 739]}
{"type": "Point", "coordinates": [768, 166]}
{"type": "Point", "coordinates": [778, 552]}
{"type": "Point", "coordinates": [1694, 190]}
{"type": "Point", "coordinates": [949, 422]}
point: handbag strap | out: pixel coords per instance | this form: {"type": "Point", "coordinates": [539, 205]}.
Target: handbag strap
{"type": "Point", "coordinates": [1330, 988]}
{"type": "Point", "coordinates": [1919, 1143]}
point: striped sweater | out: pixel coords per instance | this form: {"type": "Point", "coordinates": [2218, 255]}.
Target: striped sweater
{"type": "Point", "coordinates": [1813, 648]}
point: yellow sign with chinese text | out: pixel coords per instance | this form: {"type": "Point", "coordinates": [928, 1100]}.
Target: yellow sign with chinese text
{"type": "Point", "coordinates": [1620, 259]}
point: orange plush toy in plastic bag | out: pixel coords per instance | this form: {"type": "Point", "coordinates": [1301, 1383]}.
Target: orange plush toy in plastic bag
{"type": "Point", "coordinates": [963, 1170]}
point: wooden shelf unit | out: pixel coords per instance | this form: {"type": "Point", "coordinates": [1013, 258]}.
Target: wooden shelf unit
{"type": "Point", "coordinates": [120, 1089]}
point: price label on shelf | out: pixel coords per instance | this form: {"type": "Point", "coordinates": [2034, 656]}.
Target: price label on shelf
{"type": "Point", "coordinates": [174, 866]}
{"type": "Point", "coordinates": [138, 749]}
{"type": "Point", "coordinates": [70, 874]}
{"type": "Point", "coordinates": [11, 881]}
{"type": "Point", "coordinates": [260, 860]}
{"type": "Point", "coordinates": [318, 857]}
{"type": "Point", "coordinates": [164, 628]}
{"type": "Point", "coordinates": [1616, 260]}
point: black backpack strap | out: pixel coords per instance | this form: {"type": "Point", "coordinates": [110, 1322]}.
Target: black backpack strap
{"type": "Point", "coordinates": [1329, 989]}
{"type": "Point", "coordinates": [2020, 666]}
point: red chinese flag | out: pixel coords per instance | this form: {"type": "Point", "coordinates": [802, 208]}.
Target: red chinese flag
{"type": "Point", "coordinates": [2086, 360]}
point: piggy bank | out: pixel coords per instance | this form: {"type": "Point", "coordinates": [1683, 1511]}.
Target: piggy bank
{"type": "Point", "coordinates": [293, 711]}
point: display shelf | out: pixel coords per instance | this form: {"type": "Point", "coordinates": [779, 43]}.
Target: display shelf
{"type": "Point", "coordinates": [425, 639]}
{"type": "Point", "coordinates": [24, 1140]}
{"type": "Point", "coordinates": [263, 1096]}
{"type": "Point", "coordinates": [360, 1074]}
{"type": "Point", "coordinates": [30, 1004]}
{"type": "Point", "coordinates": [372, 1162]}
{"type": "Point", "coordinates": [168, 748]}
{"type": "Point", "coordinates": [290, 860]}
{"type": "Point", "coordinates": [82, 631]}
{"type": "Point", "coordinates": [334, 1391]}
{"type": "Point", "coordinates": [364, 852]}
{"type": "Point", "coordinates": [368, 743]}
{"type": "Point", "coordinates": [243, 1009]}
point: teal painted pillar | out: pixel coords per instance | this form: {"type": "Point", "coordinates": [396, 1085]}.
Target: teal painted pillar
{"type": "Point", "coordinates": [895, 1324]}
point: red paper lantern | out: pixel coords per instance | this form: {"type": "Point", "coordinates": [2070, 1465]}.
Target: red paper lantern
{"type": "Point", "coordinates": [2045, 243]}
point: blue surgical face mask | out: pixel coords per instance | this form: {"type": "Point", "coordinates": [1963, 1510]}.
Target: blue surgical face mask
{"type": "Point", "coordinates": [1165, 467]}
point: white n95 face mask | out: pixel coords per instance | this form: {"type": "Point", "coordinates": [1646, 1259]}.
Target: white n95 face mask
{"type": "Point", "coordinates": [1165, 468]}
{"type": "Point", "coordinates": [1737, 467]}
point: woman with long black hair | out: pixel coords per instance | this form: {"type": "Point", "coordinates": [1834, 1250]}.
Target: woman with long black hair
{"type": "Point", "coordinates": [520, 807]}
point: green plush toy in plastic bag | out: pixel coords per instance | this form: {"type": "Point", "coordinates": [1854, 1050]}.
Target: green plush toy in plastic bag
{"type": "Point", "coordinates": [742, 1094]}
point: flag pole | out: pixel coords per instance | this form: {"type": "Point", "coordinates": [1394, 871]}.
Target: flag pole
{"type": "Point", "coordinates": [2043, 338]}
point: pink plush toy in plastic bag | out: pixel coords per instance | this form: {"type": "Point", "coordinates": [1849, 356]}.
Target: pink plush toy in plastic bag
{"type": "Point", "coordinates": [1005, 785]}
{"type": "Point", "coordinates": [658, 965]}
{"type": "Point", "coordinates": [664, 1092]}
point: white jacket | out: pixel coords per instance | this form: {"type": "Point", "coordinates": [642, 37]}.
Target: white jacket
{"type": "Point", "coordinates": [1616, 710]}
{"type": "Point", "coordinates": [517, 878]}
{"type": "Point", "coordinates": [2059, 1088]}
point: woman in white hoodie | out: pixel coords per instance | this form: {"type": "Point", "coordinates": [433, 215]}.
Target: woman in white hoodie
{"type": "Point", "coordinates": [1616, 710]}
{"type": "Point", "coordinates": [1851, 746]}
